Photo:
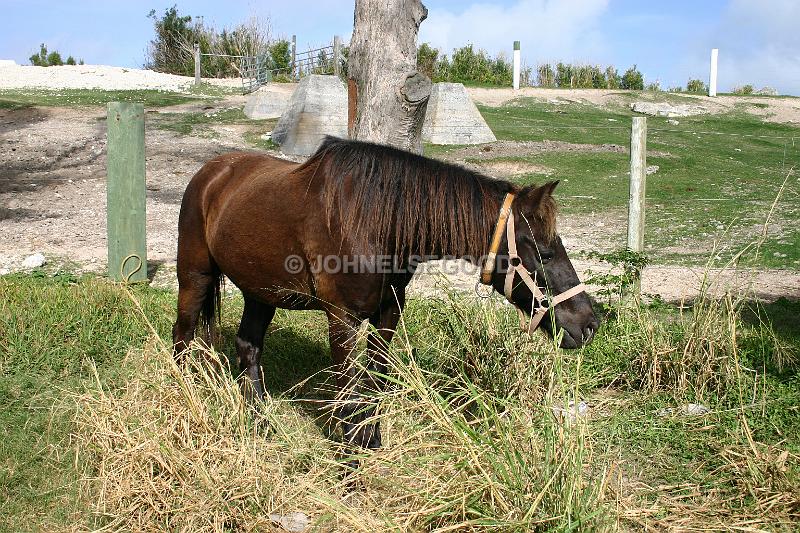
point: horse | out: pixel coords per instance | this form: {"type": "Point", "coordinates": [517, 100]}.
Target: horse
{"type": "Point", "coordinates": [271, 227]}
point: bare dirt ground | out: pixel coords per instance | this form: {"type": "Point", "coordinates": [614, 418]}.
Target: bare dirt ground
{"type": "Point", "coordinates": [53, 196]}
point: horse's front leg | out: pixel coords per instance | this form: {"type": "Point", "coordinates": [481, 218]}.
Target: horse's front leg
{"type": "Point", "coordinates": [384, 322]}
{"type": "Point", "coordinates": [354, 404]}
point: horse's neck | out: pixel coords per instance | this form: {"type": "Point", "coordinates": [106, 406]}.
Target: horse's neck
{"type": "Point", "coordinates": [490, 212]}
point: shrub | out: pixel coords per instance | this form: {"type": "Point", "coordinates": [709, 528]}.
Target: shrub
{"type": "Point", "coordinates": [546, 76]}
{"type": "Point", "coordinates": [632, 80]}
{"type": "Point", "coordinates": [613, 80]}
{"type": "Point", "coordinates": [50, 59]}
{"type": "Point", "coordinates": [744, 89]}
{"type": "Point", "coordinates": [696, 86]}
{"type": "Point", "coordinates": [654, 86]}
{"type": "Point", "coordinates": [427, 56]}
{"type": "Point", "coordinates": [172, 50]}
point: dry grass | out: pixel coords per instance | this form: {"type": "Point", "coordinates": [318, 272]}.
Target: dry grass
{"type": "Point", "coordinates": [177, 448]}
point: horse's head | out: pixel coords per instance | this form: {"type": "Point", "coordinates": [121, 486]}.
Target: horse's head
{"type": "Point", "coordinates": [539, 250]}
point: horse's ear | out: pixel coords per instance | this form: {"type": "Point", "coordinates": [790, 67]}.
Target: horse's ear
{"type": "Point", "coordinates": [534, 195]}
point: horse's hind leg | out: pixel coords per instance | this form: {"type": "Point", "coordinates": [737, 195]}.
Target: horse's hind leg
{"type": "Point", "coordinates": [194, 288]}
{"type": "Point", "coordinates": [249, 345]}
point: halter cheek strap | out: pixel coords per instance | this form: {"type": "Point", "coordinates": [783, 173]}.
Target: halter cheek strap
{"type": "Point", "coordinates": [541, 303]}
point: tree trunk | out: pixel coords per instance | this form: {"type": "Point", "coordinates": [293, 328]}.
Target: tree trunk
{"type": "Point", "coordinates": [387, 96]}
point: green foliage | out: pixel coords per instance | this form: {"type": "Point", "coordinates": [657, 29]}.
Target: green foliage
{"type": "Point", "coordinates": [632, 80]}
{"type": "Point", "coordinates": [280, 52]}
{"type": "Point", "coordinates": [427, 57]}
{"type": "Point", "coordinates": [468, 66]}
{"type": "Point", "coordinates": [625, 268]}
{"type": "Point", "coordinates": [696, 86]}
{"type": "Point", "coordinates": [545, 76]}
{"type": "Point", "coordinates": [613, 79]}
{"type": "Point", "coordinates": [45, 58]}
{"type": "Point", "coordinates": [172, 49]}
{"type": "Point", "coordinates": [744, 89]}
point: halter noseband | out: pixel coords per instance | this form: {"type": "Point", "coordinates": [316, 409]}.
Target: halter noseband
{"type": "Point", "coordinates": [541, 303]}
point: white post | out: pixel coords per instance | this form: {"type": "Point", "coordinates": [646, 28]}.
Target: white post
{"type": "Point", "coordinates": [637, 188]}
{"type": "Point", "coordinates": [712, 78]}
{"type": "Point", "coordinates": [636, 199]}
{"type": "Point", "coordinates": [516, 65]}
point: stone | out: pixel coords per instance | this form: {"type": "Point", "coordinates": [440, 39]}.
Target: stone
{"type": "Point", "coordinates": [318, 107]}
{"type": "Point", "coordinates": [269, 101]}
{"type": "Point", "coordinates": [452, 117]}
{"type": "Point", "coordinates": [293, 522]}
{"type": "Point", "coordinates": [766, 91]}
{"type": "Point", "coordinates": [34, 261]}
{"type": "Point", "coordinates": [656, 109]}
{"type": "Point", "coordinates": [672, 121]}
{"type": "Point", "coordinates": [652, 169]}
{"type": "Point", "coordinates": [695, 409]}
{"type": "Point", "coordinates": [572, 412]}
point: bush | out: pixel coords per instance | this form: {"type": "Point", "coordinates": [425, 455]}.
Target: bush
{"type": "Point", "coordinates": [172, 50]}
{"type": "Point", "coordinates": [427, 56]}
{"type": "Point", "coordinates": [744, 89]}
{"type": "Point", "coordinates": [632, 80]}
{"type": "Point", "coordinates": [546, 76]}
{"type": "Point", "coordinates": [613, 80]}
{"type": "Point", "coordinates": [468, 66]}
{"type": "Point", "coordinates": [50, 59]}
{"type": "Point", "coordinates": [696, 86]}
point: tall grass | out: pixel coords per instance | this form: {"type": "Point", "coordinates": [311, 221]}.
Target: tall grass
{"type": "Point", "coordinates": [177, 448]}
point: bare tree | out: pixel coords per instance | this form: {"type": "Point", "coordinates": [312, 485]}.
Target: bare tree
{"type": "Point", "coordinates": [387, 95]}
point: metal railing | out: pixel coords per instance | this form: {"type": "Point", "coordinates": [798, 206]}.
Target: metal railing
{"type": "Point", "coordinates": [255, 70]}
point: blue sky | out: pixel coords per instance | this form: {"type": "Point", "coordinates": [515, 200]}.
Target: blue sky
{"type": "Point", "coordinates": [670, 41]}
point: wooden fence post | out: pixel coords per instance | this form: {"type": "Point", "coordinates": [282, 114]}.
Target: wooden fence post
{"type": "Point", "coordinates": [294, 55]}
{"type": "Point", "coordinates": [197, 78]}
{"type": "Point", "coordinates": [636, 200]}
{"type": "Point", "coordinates": [125, 211]}
{"type": "Point", "coordinates": [337, 50]}
{"type": "Point", "coordinates": [516, 62]}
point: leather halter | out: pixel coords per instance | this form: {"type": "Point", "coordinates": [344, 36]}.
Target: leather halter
{"type": "Point", "coordinates": [541, 303]}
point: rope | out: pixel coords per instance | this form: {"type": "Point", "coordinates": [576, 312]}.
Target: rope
{"type": "Point", "coordinates": [126, 278]}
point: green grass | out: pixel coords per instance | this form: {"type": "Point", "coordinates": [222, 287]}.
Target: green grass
{"type": "Point", "coordinates": [22, 98]}
{"type": "Point", "coordinates": [726, 176]}
{"type": "Point", "coordinates": [199, 124]}
{"type": "Point", "coordinates": [54, 331]}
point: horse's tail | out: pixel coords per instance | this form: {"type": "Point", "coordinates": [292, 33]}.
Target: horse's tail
{"type": "Point", "coordinates": [211, 314]}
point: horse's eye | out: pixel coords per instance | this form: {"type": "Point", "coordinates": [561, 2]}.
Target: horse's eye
{"type": "Point", "coordinates": [546, 255]}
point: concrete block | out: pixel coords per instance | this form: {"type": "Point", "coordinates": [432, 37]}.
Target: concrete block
{"type": "Point", "coordinates": [317, 108]}
{"type": "Point", "coordinates": [269, 101]}
{"type": "Point", "coordinates": [452, 117]}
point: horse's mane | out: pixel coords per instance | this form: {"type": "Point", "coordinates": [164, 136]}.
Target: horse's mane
{"type": "Point", "coordinates": [390, 201]}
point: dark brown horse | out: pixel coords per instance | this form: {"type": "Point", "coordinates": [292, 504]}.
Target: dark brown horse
{"type": "Point", "coordinates": [306, 236]}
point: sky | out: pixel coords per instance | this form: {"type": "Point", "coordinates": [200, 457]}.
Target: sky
{"type": "Point", "coordinates": [669, 40]}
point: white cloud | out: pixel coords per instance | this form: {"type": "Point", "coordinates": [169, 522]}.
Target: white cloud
{"type": "Point", "coordinates": [759, 43]}
{"type": "Point", "coordinates": [548, 29]}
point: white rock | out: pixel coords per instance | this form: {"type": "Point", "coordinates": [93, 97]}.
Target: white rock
{"type": "Point", "coordinates": [695, 409]}
{"type": "Point", "coordinates": [673, 121]}
{"type": "Point", "coordinates": [293, 522]}
{"type": "Point", "coordinates": [667, 110]}
{"type": "Point", "coordinates": [4, 271]}
{"type": "Point", "coordinates": [572, 412]}
{"type": "Point", "coordinates": [34, 261]}
{"type": "Point", "coordinates": [652, 169]}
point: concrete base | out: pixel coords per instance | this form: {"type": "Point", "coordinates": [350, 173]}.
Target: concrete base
{"type": "Point", "coordinates": [452, 118]}
{"type": "Point", "coordinates": [317, 108]}
{"type": "Point", "coordinates": [269, 101]}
